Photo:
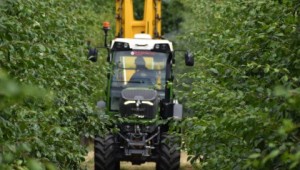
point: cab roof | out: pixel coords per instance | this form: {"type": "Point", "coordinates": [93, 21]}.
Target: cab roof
{"type": "Point", "coordinates": [142, 42]}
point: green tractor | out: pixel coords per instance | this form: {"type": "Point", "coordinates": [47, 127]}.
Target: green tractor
{"type": "Point", "coordinates": [140, 90]}
{"type": "Point", "coordinates": [140, 93]}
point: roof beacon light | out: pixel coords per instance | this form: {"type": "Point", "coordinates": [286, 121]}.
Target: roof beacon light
{"type": "Point", "coordinates": [106, 26]}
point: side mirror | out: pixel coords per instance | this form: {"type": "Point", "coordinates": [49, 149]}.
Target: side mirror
{"type": "Point", "coordinates": [189, 59]}
{"type": "Point", "coordinates": [93, 54]}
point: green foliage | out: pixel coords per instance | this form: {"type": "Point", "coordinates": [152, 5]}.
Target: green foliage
{"type": "Point", "coordinates": [244, 89]}
{"type": "Point", "coordinates": [172, 16]}
{"type": "Point", "coordinates": [243, 92]}
{"type": "Point", "coordinates": [138, 8]}
{"type": "Point", "coordinates": [42, 44]}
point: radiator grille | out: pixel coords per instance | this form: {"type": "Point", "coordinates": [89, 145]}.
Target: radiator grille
{"type": "Point", "coordinates": [146, 110]}
{"type": "Point", "coordinates": [139, 94]}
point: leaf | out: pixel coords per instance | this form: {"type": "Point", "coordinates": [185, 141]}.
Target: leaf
{"type": "Point", "coordinates": [280, 91]}
{"type": "Point", "coordinates": [34, 165]}
{"type": "Point", "coordinates": [267, 68]}
{"type": "Point", "coordinates": [285, 78]}
{"type": "Point", "coordinates": [213, 70]}
{"type": "Point", "coordinates": [254, 155]}
{"type": "Point", "coordinates": [41, 48]}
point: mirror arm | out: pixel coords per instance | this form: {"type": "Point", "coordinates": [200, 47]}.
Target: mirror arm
{"type": "Point", "coordinates": [93, 53]}
{"type": "Point", "coordinates": [105, 38]}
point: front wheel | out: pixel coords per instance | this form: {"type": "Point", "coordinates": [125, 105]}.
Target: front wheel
{"type": "Point", "coordinates": [105, 153]}
{"type": "Point", "coordinates": [169, 154]}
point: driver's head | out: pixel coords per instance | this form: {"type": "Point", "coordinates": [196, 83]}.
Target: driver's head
{"type": "Point", "coordinates": [140, 63]}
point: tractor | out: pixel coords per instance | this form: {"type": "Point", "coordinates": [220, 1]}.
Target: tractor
{"type": "Point", "coordinates": [139, 92]}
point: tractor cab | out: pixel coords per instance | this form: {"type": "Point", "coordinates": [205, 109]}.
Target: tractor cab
{"type": "Point", "coordinates": [138, 69]}
{"type": "Point", "coordinates": [139, 63]}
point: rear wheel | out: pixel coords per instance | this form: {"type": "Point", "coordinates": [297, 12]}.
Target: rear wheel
{"type": "Point", "coordinates": [105, 156]}
{"type": "Point", "coordinates": [169, 154]}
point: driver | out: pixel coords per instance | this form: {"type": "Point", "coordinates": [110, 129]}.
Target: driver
{"type": "Point", "coordinates": [142, 73]}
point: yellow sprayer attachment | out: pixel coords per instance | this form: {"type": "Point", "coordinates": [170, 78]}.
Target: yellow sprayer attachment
{"type": "Point", "coordinates": [127, 25]}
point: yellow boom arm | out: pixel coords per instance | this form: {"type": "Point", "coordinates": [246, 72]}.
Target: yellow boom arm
{"type": "Point", "coordinates": [127, 26]}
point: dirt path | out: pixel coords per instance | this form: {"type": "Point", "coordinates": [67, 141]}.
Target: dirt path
{"type": "Point", "coordinates": [89, 163]}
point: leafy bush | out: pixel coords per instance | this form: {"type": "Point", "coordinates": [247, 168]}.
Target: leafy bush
{"type": "Point", "coordinates": [245, 85]}
{"type": "Point", "coordinates": [42, 44]}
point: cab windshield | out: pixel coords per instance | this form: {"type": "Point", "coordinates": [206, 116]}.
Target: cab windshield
{"type": "Point", "coordinates": [137, 69]}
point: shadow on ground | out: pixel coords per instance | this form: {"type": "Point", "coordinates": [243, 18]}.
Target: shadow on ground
{"type": "Point", "coordinates": [89, 163]}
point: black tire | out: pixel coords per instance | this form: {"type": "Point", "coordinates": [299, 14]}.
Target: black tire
{"type": "Point", "coordinates": [105, 153]}
{"type": "Point", "coordinates": [169, 154]}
